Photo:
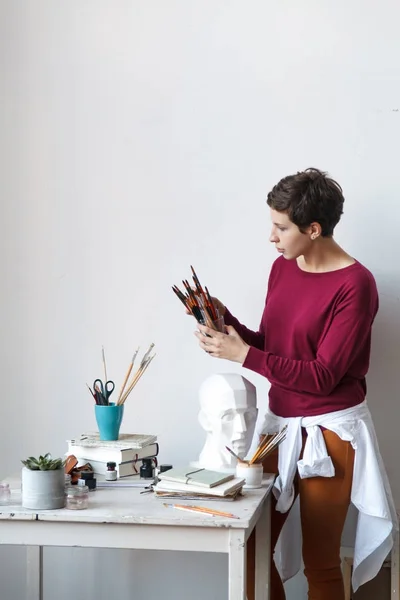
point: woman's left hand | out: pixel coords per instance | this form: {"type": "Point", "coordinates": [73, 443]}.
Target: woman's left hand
{"type": "Point", "coordinates": [227, 345]}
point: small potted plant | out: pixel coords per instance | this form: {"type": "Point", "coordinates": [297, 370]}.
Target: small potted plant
{"type": "Point", "coordinates": [43, 483]}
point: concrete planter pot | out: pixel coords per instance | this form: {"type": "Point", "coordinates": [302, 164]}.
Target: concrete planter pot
{"type": "Point", "coordinates": [43, 490]}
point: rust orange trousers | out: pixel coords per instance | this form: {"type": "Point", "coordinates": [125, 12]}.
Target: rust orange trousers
{"type": "Point", "coordinates": [323, 507]}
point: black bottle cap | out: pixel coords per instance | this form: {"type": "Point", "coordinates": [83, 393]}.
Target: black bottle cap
{"type": "Point", "coordinates": [87, 475]}
{"type": "Point", "coordinates": [163, 468]}
{"type": "Point", "coordinates": [90, 483]}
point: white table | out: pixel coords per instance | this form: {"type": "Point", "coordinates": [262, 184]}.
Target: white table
{"type": "Point", "coordinates": [124, 518]}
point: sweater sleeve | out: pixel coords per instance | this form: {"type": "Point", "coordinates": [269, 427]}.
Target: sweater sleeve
{"type": "Point", "coordinates": [253, 338]}
{"type": "Point", "coordinates": [349, 330]}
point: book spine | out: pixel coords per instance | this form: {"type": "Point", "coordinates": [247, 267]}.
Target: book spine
{"type": "Point", "coordinates": [129, 468]}
{"type": "Point", "coordinates": [83, 453]}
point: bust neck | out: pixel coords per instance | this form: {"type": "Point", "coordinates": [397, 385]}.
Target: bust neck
{"type": "Point", "coordinates": [214, 455]}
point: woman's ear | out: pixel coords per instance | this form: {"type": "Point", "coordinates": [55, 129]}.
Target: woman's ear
{"type": "Point", "coordinates": [314, 231]}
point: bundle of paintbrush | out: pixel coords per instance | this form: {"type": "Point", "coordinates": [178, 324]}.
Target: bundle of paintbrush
{"type": "Point", "coordinates": [266, 446]}
{"type": "Point", "coordinates": [102, 391]}
{"type": "Point", "coordinates": [199, 303]}
{"type": "Point", "coordinates": [129, 385]}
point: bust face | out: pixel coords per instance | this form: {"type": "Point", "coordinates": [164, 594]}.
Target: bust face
{"type": "Point", "coordinates": [237, 428]}
{"type": "Point", "coordinates": [229, 411]}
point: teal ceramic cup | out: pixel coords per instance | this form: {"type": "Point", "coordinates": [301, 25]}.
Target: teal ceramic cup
{"type": "Point", "coordinates": [109, 419]}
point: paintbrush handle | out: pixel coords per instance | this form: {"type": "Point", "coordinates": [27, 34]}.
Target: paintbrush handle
{"type": "Point", "coordinates": [94, 395]}
{"type": "Point", "coordinates": [128, 373]}
{"type": "Point", "coordinates": [235, 455]}
{"type": "Point", "coordinates": [264, 442]}
{"type": "Point", "coordinates": [180, 296]}
{"type": "Point", "coordinates": [135, 379]}
{"type": "Point", "coordinates": [104, 364]}
{"type": "Point", "coordinates": [269, 444]}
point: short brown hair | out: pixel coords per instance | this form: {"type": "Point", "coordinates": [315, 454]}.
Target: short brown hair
{"type": "Point", "coordinates": [308, 197]}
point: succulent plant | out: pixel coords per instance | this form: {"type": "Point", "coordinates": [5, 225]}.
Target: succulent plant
{"type": "Point", "coordinates": [43, 463]}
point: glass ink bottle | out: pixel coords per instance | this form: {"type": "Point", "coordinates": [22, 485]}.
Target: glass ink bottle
{"type": "Point", "coordinates": [111, 473]}
{"type": "Point", "coordinates": [147, 469]}
{"type": "Point", "coordinates": [77, 497]}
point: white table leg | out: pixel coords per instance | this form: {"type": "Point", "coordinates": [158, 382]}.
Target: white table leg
{"type": "Point", "coordinates": [395, 569]}
{"type": "Point", "coordinates": [34, 573]}
{"type": "Point", "coordinates": [263, 552]}
{"type": "Point", "coordinates": [237, 565]}
{"type": "Point", "coordinates": [347, 569]}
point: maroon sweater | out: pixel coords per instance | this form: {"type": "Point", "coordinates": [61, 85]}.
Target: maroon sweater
{"type": "Point", "coordinates": [314, 340]}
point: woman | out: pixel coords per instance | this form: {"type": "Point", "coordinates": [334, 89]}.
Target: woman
{"type": "Point", "coordinates": [313, 345]}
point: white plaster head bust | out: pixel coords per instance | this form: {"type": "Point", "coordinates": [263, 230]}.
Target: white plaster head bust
{"type": "Point", "coordinates": [228, 414]}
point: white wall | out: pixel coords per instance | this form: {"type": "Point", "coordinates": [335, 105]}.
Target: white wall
{"type": "Point", "coordinates": [139, 137]}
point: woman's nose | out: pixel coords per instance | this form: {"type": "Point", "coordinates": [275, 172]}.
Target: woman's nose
{"type": "Point", "coordinates": [273, 238]}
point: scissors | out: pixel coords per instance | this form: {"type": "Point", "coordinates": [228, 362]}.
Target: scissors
{"type": "Point", "coordinates": [103, 392]}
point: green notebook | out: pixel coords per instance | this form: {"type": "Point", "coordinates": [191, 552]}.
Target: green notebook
{"type": "Point", "coordinates": [196, 476]}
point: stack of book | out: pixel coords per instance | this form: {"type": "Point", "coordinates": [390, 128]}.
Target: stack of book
{"type": "Point", "coordinates": [191, 483]}
{"type": "Point", "coordinates": [127, 452]}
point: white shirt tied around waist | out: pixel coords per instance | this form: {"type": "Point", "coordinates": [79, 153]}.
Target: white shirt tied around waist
{"type": "Point", "coordinates": [370, 492]}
